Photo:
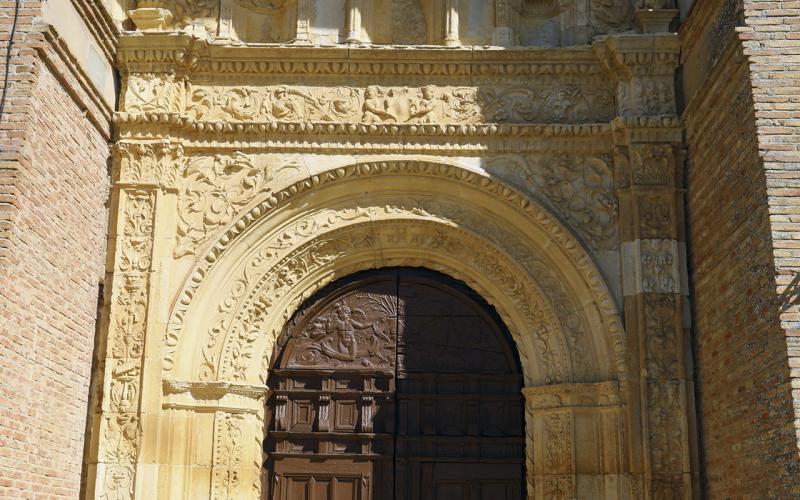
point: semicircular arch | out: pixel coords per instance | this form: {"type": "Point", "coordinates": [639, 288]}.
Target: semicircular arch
{"type": "Point", "coordinates": [450, 219]}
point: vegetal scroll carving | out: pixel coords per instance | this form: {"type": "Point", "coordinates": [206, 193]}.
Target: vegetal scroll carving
{"type": "Point", "coordinates": [580, 189]}
{"type": "Point", "coordinates": [213, 190]}
{"type": "Point", "coordinates": [428, 104]}
{"type": "Point", "coordinates": [128, 317]}
{"type": "Point", "coordinates": [228, 456]}
{"type": "Point", "coordinates": [150, 92]}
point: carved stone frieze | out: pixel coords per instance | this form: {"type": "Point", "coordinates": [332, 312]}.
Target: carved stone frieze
{"type": "Point", "coordinates": [430, 104]}
{"type": "Point", "coordinates": [580, 189]}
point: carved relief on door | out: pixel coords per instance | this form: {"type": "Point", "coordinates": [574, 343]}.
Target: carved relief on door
{"type": "Point", "coordinates": [396, 383]}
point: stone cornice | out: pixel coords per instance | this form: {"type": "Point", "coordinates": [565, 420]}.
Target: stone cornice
{"type": "Point", "coordinates": [337, 137]}
{"type": "Point", "coordinates": [183, 53]}
{"type": "Point", "coordinates": [625, 56]}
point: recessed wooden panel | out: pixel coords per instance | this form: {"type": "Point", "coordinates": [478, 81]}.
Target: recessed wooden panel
{"type": "Point", "coordinates": [403, 384]}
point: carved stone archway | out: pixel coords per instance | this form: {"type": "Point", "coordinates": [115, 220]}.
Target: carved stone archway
{"type": "Point", "coordinates": [461, 223]}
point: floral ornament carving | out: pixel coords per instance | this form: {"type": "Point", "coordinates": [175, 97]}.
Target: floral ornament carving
{"type": "Point", "coordinates": [661, 334]}
{"type": "Point", "coordinates": [150, 92]}
{"type": "Point", "coordinates": [563, 239]}
{"type": "Point", "coordinates": [580, 189]}
{"type": "Point", "coordinates": [247, 326]}
{"type": "Point", "coordinates": [665, 412]}
{"type": "Point", "coordinates": [120, 436]}
{"type": "Point", "coordinates": [655, 218]}
{"type": "Point", "coordinates": [228, 452]}
{"type": "Point", "coordinates": [652, 165]}
{"type": "Point", "coordinates": [375, 104]}
{"type": "Point", "coordinates": [659, 264]}
{"type": "Point", "coordinates": [149, 162]}
{"type": "Point", "coordinates": [558, 443]}
{"type": "Point", "coordinates": [213, 190]}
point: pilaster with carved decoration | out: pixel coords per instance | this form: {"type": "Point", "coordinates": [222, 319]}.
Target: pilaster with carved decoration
{"type": "Point", "coordinates": [144, 175]}
{"type": "Point", "coordinates": [648, 184]}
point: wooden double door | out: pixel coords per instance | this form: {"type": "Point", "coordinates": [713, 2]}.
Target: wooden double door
{"type": "Point", "coordinates": [395, 384]}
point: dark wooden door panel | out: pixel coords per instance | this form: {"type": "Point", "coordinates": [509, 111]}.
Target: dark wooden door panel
{"type": "Point", "coordinates": [397, 384]}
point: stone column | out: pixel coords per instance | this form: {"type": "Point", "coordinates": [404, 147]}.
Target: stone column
{"type": "Point", "coordinates": [504, 16]}
{"type": "Point", "coordinates": [648, 184]}
{"type": "Point", "coordinates": [226, 9]}
{"type": "Point", "coordinates": [452, 37]}
{"type": "Point", "coordinates": [354, 21]}
{"type": "Point", "coordinates": [303, 22]}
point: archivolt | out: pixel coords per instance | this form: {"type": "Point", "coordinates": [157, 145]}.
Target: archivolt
{"type": "Point", "coordinates": [456, 221]}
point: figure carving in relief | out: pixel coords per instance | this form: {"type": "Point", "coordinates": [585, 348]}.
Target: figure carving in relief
{"type": "Point", "coordinates": [422, 109]}
{"type": "Point", "coordinates": [346, 336]}
{"type": "Point", "coordinates": [376, 106]}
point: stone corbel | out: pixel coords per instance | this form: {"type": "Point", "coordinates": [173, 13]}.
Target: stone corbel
{"type": "Point", "coordinates": [150, 16]}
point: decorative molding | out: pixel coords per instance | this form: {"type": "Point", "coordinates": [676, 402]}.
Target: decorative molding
{"type": "Point", "coordinates": [213, 390]}
{"type": "Point", "coordinates": [586, 395]}
{"type": "Point", "coordinates": [192, 54]}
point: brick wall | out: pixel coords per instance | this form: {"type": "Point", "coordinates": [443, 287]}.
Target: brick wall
{"type": "Point", "coordinates": [53, 189]}
{"type": "Point", "coordinates": [748, 447]}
